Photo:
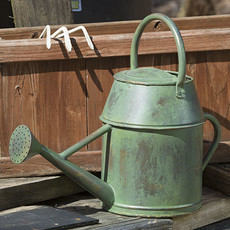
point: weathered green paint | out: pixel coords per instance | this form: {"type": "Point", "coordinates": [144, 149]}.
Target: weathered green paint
{"type": "Point", "coordinates": [23, 145]}
{"type": "Point", "coordinates": [152, 154]}
{"type": "Point", "coordinates": [151, 106]}
{"type": "Point", "coordinates": [154, 172]}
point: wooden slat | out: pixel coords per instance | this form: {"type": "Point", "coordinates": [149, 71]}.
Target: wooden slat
{"type": "Point", "coordinates": [113, 45]}
{"type": "Point", "coordinates": [222, 153]}
{"type": "Point", "coordinates": [210, 71]}
{"type": "Point", "coordinates": [217, 176]}
{"type": "Point", "coordinates": [100, 78]}
{"type": "Point", "coordinates": [37, 166]}
{"type": "Point", "coordinates": [216, 91]}
{"type": "Point", "coordinates": [140, 223]}
{"type": "Point", "coordinates": [187, 23]}
{"type": "Point", "coordinates": [216, 207]}
{"type": "Point", "coordinates": [41, 12]}
{"type": "Point", "coordinates": [37, 189]}
{"type": "Point", "coordinates": [47, 99]}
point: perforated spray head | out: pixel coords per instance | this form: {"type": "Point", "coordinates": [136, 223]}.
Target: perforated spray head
{"type": "Point", "coordinates": [23, 145]}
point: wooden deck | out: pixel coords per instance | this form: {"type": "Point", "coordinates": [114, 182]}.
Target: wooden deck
{"type": "Point", "coordinates": [31, 191]}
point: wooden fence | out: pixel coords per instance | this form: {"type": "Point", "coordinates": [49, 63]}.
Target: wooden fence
{"type": "Point", "coordinates": [60, 95]}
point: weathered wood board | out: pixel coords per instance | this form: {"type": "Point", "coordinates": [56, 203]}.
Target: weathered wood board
{"type": "Point", "coordinates": [114, 45]}
{"type": "Point", "coordinates": [217, 176]}
{"type": "Point", "coordinates": [16, 192]}
{"type": "Point", "coordinates": [120, 27]}
{"type": "Point", "coordinates": [41, 12]}
{"type": "Point", "coordinates": [216, 207]}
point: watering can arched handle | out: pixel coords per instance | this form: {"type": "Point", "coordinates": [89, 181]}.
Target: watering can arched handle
{"type": "Point", "coordinates": [179, 43]}
{"type": "Point", "coordinates": [216, 139]}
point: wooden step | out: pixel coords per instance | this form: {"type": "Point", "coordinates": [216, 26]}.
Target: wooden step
{"type": "Point", "coordinates": [15, 192]}
{"type": "Point", "coordinates": [217, 176]}
{"type": "Point", "coordinates": [216, 207]}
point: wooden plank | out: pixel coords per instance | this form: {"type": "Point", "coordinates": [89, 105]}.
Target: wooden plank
{"type": "Point", "coordinates": [99, 81]}
{"type": "Point", "coordinates": [221, 225]}
{"type": "Point", "coordinates": [113, 45]}
{"type": "Point", "coordinates": [37, 166]}
{"type": "Point", "coordinates": [47, 99]}
{"type": "Point", "coordinates": [216, 207]}
{"type": "Point", "coordinates": [222, 153]}
{"type": "Point", "coordinates": [210, 72]}
{"type": "Point", "coordinates": [24, 191]}
{"type": "Point", "coordinates": [41, 12]}
{"type": "Point", "coordinates": [217, 91]}
{"type": "Point", "coordinates": [120, 27]}
{"type": "Point", "coordinates": [211, 78]}
{"type": "Point", "coordinates": [217, 176]}
{"type": "Point", "coordinates": [89, 206]}
{"type": "Point", "coordinates": [144, 224]}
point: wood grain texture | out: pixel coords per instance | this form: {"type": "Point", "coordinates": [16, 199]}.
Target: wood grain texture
{"type": "Point", "coordinates": [217, 176]}
{"type": "Point", "coordinates": [215, 207]}
{"type": "Point", "coordinates": [186, 23]}
{"type": "Point", "coordinates": [99, 81]}
{"type": "Point", "coordinates": [210, 71]}
{"type": "Point", "coordinates": [49, 97]}
{"type": "Point", "coordinates": [41, 12]}
{"type": "Point", "coordinates": [222, 154]}
{"type": "Point", "coordinates": [25, 191]}
{"type": "Point", "coordinates": [113, 45]}
{"type": "Point", "coordinates": [37, 166]}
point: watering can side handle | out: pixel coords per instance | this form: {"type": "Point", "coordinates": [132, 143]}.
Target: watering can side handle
{"type": "Point", "coordinates": [180, 93]}
{"type": "Point", "coordinates": [216, 139]}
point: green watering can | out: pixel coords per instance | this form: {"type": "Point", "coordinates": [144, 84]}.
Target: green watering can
{"type": "Point", "coordinates": [152, 154]}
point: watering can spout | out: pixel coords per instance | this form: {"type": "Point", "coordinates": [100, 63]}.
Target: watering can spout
{"type": "Point", "coordinates": [23, 145]}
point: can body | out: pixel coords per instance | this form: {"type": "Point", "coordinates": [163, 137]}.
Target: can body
{"type": "Point", "coordinates": [154, 172]}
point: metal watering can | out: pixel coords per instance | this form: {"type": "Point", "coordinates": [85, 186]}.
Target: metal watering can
{"type": "Point", "coordinates": [152, 159]}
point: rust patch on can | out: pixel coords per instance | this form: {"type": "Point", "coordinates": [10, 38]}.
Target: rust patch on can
{"type": "Point", "coordinates": [161, 101]}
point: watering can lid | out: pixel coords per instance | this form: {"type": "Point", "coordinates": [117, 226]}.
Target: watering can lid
{"type": "Point", "coordinates": [147, 76]}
